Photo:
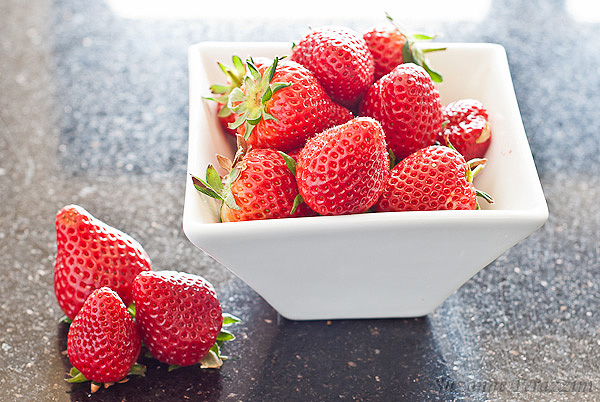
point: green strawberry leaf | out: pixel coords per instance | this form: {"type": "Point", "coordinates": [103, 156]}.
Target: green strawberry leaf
{"type": "Point", "coordinates": [435, 76]}
{"type": "Point", "coordinates": [229, 319]}
{"type": "Point", "coordinates": [253, 70]}
{"type": "Point", "coordinates": [131, 310]}
{"type": "Point", "coordinates": [268, 116]}
{"type": "Point", "coordinates": [76, 376]}
{"type": "Point", "coordinates": [436, 49]}
{"type": "Point", "coordinates": [214, 180]}
{"type": "Point", "coordinates": [297, 201]}
{"type": "Point", "coordinates": [225, 336]}
{"type": "Point", "coordinates": [407, 55]}
{"type": "Point", "coordinates": [65, 320]}
{"type": "Point", "coordinates": [420, 36]}
{"type": "Point", "coordinates": [289, 161]}
{"type": "Point", "coordinates": [219, 89]}
{"type": "Point", "coordinates": [484, 195]}
{"type": "Point", "coordinates": [241, 119]}
{"type": "Point", "coordinates": [225, 111]}
{"type": "Point", "coordinates": [205, 188]}
{"type": "Point", "coordinates": [392, 157]}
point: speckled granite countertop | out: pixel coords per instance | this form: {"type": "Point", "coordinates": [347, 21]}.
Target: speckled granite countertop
{"type": "Point", "coordinates": [93, 110]}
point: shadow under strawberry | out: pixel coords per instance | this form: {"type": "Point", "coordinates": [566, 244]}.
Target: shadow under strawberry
{"type": "Point", "coordinates": [158, 383]}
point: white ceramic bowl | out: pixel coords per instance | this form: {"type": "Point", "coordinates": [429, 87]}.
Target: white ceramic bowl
{"type": "Point", "coordinates": [391, 264]}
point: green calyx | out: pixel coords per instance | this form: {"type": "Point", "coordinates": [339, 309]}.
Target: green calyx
{"type": "Point", "coordinates": [77, 376]}
{"type": "Point", "coordinates": [250, 104]}
{"type": "Point", "coordinates": [412, 53]}
{"type": "Point", "coordinates": [235, 75]}
{"type": "Point", "coordinates": [219, 187]}
{"type": "Point", "coordinates": [476, 165]}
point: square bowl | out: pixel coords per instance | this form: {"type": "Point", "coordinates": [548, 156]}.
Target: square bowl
{"type": "Point", "coordinates": [372, 265]}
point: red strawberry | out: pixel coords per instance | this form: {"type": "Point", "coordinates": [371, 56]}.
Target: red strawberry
{"type": "Point", "coordinates": [343, 169]}
{"type": "Point", "coordinates": [178, 314]}
{"type": "Point", "coordinates": [341, 61]}
{"type": "Point", "coordinates": [103, 343]}
{"type": "Point", "coordinates": [385, 43]}
{"type": "Point", "coordinates": [294, 154]}
{"type": "Point", "coordinates": [281, 106]}
{"type": "Point", "coordinates": [433, 178]}
{"type": "Point", "coordinates": [259, 185]}
{"type": "Point", "coordinates": [338, 114]}
{"type": "Point", "coordinates": [408, 106]}
{"type": "Point", "coordinates": [467, 128]}
{"type": "Point", "coordinates": [391, 44]}
{"type": "Point", "coordinates": [91, 254]}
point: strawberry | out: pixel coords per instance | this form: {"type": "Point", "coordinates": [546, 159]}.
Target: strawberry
{"type": "Point", "coordinates": [433, 178]}
{"type": "Point", "coordinates": [391, 44]}
{"type": "Point", "coordinates": [259, 185]}
{"type": "Point", "coordinates": [91, 254]}
{"type": "Point", "coordinates": [466, 127]}
{"type": "Point", "coordinates": [343, 169]}
{"type": "Point", "coordinates": [408, 106]}
{"type": "Point", "coordinates": [341, 61]}
{"type": "Point", "coordinates": [178, 314]}
{"type": "Point", "coordinates": [103, 342]}
{"type": "Point", "coordinates": [234, 76]}
{"type": "Point", "coordinates": [338, 114]}
{"type": "Point", "coordinates": [279, 107]}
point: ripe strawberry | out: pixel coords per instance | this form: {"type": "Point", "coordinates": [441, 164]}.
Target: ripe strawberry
{"type": "Point", "coordinates": [433, 178]}
{"type": "Point", "coordinates": [338, 114]}
{"type": "Point", "coordinates": [279, 107]}
{"type": "Point", "coordinates": [343, 169]}
{"type": "Point", "coordinates": [341, 61]}
{"type": "Point", "coordinates": [408, 106]}
{"type": "Point", "coordinates": [259, 185]}
{"type": "Point", "coordinates": [91, 254]}
{"type": "Point", "coordinates": [391, 44]}
{"type": "Point", "coordinates": [178, 314]}
{"type": "Point", "coordinates": [103, 343]}
{"type": "Point", "coordinates": [466, 127]}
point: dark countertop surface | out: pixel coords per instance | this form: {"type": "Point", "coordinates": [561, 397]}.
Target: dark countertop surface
{"type": "Point", "coordinates": [93, 111]}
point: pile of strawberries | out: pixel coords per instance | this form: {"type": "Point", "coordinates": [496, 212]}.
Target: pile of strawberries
{"type": "Point", "coordinates": [349, 123]}
{"type": "Point", "coordinates": [104, 283]}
